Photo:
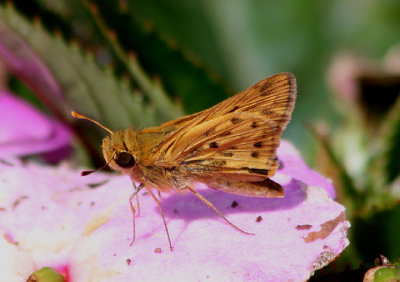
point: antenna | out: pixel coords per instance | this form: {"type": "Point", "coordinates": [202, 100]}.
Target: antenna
{"type": "Point", "coordinates": [87, 172]}
{"type": "Point", "coordinates": [79, 116]}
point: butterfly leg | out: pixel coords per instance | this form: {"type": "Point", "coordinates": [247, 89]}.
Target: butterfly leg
{"type": "Point", "coordinates": [204, 200]}
{"type": "Point", "coordinates": [162, 215]}
{"type": "Point", "coordinates": [135, 193]}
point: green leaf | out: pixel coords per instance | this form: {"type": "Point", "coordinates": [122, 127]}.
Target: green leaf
{"type": "Point", "coordinates": [65, 78]}
{"type": "Point", "coordinates": [180, 75]}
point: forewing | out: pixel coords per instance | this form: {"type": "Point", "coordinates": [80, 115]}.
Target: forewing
{"type": "Point", "coordinates": [238, 136]}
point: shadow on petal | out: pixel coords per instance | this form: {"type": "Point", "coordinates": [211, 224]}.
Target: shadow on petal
{"type": "Point", "coordinates": [188, 207]}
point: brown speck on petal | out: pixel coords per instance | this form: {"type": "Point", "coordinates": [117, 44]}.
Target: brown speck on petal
{"type": "Point", "coordinates": [234, 204]}
{"type": "Point", "coordinates": [326, 229]}
{"type": "Point", "coordinates": [259, 218]}
{"type": "Point", "coordinates": [128, 261]}
{"type": "Point", "coordinates": [157, 250]}
{"type": "Point", "coordinates": [303, 227]}
{"type": "Point", "coordinates": [18, 201]}
{"type": "Point", "coordinates": [95, 185]}
{"type": "Point", "coordinates": [5, 162]}
{"type": "Point", "coordinates": [10, 240]}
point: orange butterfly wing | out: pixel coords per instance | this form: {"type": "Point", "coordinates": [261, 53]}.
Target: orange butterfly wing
{"type": "Point", "coordinates": [238, 136]}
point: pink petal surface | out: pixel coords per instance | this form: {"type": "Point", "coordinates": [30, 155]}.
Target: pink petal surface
{"type": "Point", "coordinates": [15, 264]}
{"type": "Point", "coordinates": [61, 222]}
{"type": "Point", "coordinates": [293, 166]}
{"type": "Point", "coordinates": [26, 131]}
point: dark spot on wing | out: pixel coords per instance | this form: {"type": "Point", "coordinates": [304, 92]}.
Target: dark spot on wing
{"type": "Point", "coordinates": [219, 163]}
{"type": "Point", "coordinates": [235, 120]}
{"type": "Point", "coordinates": [208, 132]}
{"type": "Point", "coordinates": [227, 154]}
{"type": "Point", "coordinates": [213, 145]}
{"type": "Point", "coordinates": [254, 125]}
{"type": "Point", "coordinates": [266, 112]}
{"type": "Point", "coordinates": [258, 170]}
{"type": "Point", "coordinates": [226, 133]}
{"type": "Point", "coordinates": [258, 144]}
{"type": "Point", "coordinates": [254, 154]}
{"type": "Point", "coordinates": [233, 109]}
{"type": "Point", "coordinates": [265, 86]}
{"type": "Point", "coordinates": [267, 92]}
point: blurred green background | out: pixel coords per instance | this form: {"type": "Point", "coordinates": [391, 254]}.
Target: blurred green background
{"type": "Point", "coordinates": [143, 62]}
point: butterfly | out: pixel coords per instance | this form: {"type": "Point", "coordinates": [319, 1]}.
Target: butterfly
{"type": "Point", "coordinates": [230, 147]}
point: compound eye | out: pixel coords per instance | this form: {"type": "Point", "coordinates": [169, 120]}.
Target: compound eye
{"type": "Point", "coordinates": [125, 160]}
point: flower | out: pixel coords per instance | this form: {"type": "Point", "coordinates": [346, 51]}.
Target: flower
{"type": "Point", "coordinates": [82, 226]}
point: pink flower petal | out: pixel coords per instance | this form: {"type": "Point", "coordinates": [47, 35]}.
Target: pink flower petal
{"type": "Point", "coordinates": [26, 131]}
{"type": "Point", "coordinates": [62, 222]}
{"type": "Point", "coordinates": [293, 165]}
{"type": "Point", "coordinates": [15, 264]}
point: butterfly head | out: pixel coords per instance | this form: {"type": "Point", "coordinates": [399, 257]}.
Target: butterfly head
{"type": "Point", "coordinates": [120, 150]}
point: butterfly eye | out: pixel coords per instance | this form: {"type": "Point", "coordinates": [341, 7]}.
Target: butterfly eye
{"type": "Point", "coordinates": [125, 160]}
